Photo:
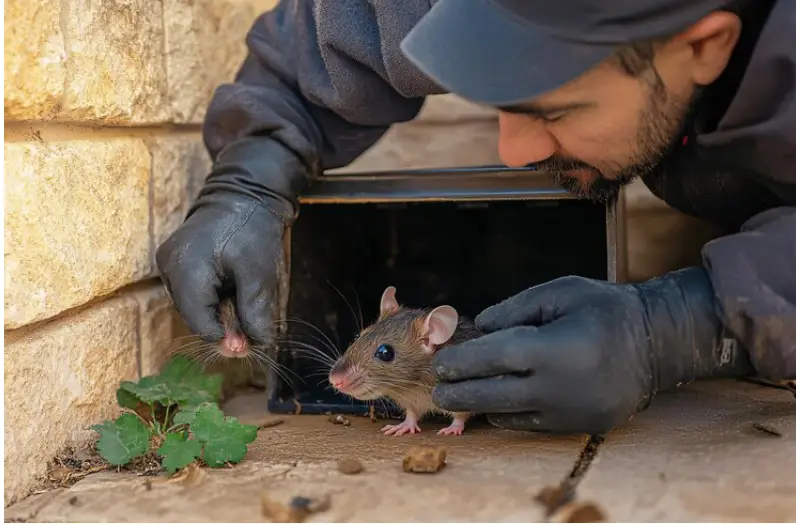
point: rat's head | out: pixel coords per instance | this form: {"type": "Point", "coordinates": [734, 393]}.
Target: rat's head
{"type": "Point", "coordinates": [393, 356]}
{"type": "Point", "coordinates": [234, 344]}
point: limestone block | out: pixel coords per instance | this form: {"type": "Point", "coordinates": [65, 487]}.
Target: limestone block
{"type": "Point", "coordinates": [60, 379]}
{"type": "Point", "coordinates": [35, 59]}
{"type": "Point", "coordinates": [180, 164]}
{"type": "Point", "coordinates": [76, 224]}
{"type": "Point", "coordinates": [116, 64]}
{"type": "Point", "coordinates": [156, 319]}
{"type": "Point", "coordinates": [83, 60]}
{"type": "Point", "coordinates": [205, 46]}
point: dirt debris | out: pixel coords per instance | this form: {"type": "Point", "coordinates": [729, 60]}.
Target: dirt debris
{"type": "Point", "coordinates": [424, 459]}
{"type": "Point", "coordinates": [553, 497]}
{"type": "Point", "coordinates": [767, 429]}
{"type": "Point", "coordinates": [350, 466]}
{"type": "Point", "coordinates": [339, 420]}
{"type": "Point", "coordinates": [579, 512]}
{"type": "Point", "coordinates": [71, 465]}
{"type": "Point", "coordinates": [298, 509]}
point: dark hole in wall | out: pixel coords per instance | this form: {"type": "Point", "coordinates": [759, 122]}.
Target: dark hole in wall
{"type": "Point", "coordinates": [468, 255]}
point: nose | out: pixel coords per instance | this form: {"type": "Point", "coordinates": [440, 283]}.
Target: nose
{"type": "Point", "coordinates": [524, 140]}
{"type": "Point", "coordinates": [339, 380]}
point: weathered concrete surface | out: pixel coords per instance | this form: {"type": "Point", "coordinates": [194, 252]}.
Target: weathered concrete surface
{"type": "Point", "coordinates": [695, 456]}
{"type": "Point", "coordinates": [692, 457]}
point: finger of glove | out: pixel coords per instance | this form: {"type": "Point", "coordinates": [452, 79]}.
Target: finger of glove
{"type": "Point", "coordinates": [531, 421]}
{"type": "Point", "coordinates": [255, 291]}
{"type": "Point", "coordinates": [513, 350]}
{"type": "Point", "coordinates": [504, 394]}
{"type": "Point", "coordinates": [195, 295]}
{"type": "Point", "coordinates": [535, 306]}
{"type": "Point", "coordinates": [551, 422]}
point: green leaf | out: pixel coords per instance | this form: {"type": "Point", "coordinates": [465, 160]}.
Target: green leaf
{"type": "Point", "coordinates": [186, 414]}
{"type": "Point", "coordinates": [178, 452]}
{"type": "Point", "coordinates": [126, 399]}
{"type": "Point", "coordinates": [123, 439]}
{"type": "Point", "coordinates": [149, 390]}
{"type": "Point", "coordinates": [188, 384]}
{"type": "Point", "coordinates": [224, 439]}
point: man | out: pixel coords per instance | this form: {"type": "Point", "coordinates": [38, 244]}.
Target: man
{"type": "Point", "coordinates": [697, 98]}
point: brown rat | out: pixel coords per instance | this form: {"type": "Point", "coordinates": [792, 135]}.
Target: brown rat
{"type": "Point", "coordinates": [234, 344]}
{"type": "Point", "coordinates": [393, 358]}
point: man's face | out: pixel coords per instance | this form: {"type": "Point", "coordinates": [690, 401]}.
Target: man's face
{"type": "Point", "coordinates": [601, 131]}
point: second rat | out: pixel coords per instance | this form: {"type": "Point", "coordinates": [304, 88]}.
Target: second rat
{"type": "Point", "coordinates": [393, 358]}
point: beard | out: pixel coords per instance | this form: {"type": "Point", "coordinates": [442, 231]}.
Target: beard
{"type": "Point", "coordinates": [660, 123]}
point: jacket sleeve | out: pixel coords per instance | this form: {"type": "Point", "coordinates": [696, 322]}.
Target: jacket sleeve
{"type": "Point", "coordinates": [322, 81]}
{"type": "Point", "coordinates": [753, 275]}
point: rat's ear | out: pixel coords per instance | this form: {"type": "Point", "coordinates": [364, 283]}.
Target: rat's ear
{"type": "Point", "coordinates": [388, 302]}
{"type": "Point", "coordinates": [440, 325]}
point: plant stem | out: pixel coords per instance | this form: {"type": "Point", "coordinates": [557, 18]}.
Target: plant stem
{"type": "Point", "coordinates": [166, 415]}
{"type": "Point", "coordinates": [153, 418]}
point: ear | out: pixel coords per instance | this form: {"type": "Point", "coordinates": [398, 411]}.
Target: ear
{"type": "Point", "coordinates": [388, 302]}
{"type": "Point", "coordinates": [710, 42]}
{"type": "Point", "coordinates": [439, 326]}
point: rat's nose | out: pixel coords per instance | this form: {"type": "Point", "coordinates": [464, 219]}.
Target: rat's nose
{"type": "Point", "coordinates": [339, 380]}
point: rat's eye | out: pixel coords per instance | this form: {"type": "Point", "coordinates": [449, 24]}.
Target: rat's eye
{"type": "Point", "coordinates": [385, 352]}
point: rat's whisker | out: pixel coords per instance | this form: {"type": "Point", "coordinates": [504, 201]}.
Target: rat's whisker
{"type": "Point", "coordinates": [360, 323]}
{"type": "Point", "coordinates": [312, 326]}
{"type": "Point", "coordinates": [355, 318]}
{"type": "Point", "coordinates": [279, 369]}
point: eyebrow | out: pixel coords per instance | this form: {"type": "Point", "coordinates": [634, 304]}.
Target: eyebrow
{"type": "Point", "coordinates": [543, 112]}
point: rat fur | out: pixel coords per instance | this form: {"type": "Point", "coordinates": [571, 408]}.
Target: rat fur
{"type": "Point", "coordinates": [411, 336]}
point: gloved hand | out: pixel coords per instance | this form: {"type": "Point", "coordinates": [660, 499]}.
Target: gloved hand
{"type": "Point", "coordinates": [232, 239]}
{"type": "Point", "coordinates": [581, 355]}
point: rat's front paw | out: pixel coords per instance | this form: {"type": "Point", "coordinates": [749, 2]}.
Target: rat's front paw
{"type": "Point", "coordinates": [456, 428]}
{"type": "Point", "coordinates": [407, 426]}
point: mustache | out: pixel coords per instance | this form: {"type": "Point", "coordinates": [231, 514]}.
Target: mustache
{"type": "Point", "coordinates": [559, 164]}
{"type": "Point", "coordinates": [599, 189]}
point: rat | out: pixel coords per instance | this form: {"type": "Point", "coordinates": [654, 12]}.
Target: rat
{"type": "Point", "coordinates": [393, 358]}
{"type": "Point", "coordinates": [234, 343]}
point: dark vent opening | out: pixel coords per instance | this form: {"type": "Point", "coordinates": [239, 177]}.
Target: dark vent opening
{"type": "Point", "coordinates": [466, 254]}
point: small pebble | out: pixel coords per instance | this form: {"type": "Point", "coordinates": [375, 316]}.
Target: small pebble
{"type": "Point", "coordinates": [579, 512]}
{"type": "Point", "coordinates": [422, 459]}
{"type": "Point", "coordinates": [339, 420]}
{"type": "Point", "coordinates": [350, 466]}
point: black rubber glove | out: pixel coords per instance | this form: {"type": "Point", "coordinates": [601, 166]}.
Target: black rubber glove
{"type": "Point", "coordinates": [232, 240]}
{"type": "Point", "coordinates": [580, 355]}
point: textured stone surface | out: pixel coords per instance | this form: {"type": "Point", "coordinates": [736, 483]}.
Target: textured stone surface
{"type": "Point", "coordinates": [157, 330]}
{"type": "Point", "coordinates": [76, 224]}
{"type": "Point", "coordinates": [60, 379]}
{"type": "Point", "coordinates": [180, 164]}
{"type": "Point", "coordinates": [35, 59]}
{"type": "Point", "coordinates": [116, 70]}
{"type": "Point", "coordinates": [86, 61]}
{"type": "Point", "coordinates": [693, 456]}
{"type": "Point", "coordinates": [205, 45]}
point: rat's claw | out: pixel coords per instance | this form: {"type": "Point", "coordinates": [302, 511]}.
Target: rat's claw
{"type": "Point", "coordinates": [401, 429]}
{"type": "Point", "coordinates": [452, 429]}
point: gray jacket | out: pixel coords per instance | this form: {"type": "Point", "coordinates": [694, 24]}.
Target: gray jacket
{"type": "Point", "coordinates": [326, 79]}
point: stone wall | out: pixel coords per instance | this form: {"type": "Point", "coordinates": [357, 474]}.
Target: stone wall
{"type": "Point", "coordinates": [103, 105]}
